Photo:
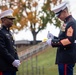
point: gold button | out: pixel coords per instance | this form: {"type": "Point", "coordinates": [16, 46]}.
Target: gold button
{"type": "Point", "coordinates": [58, 42]}
{"type": "Point", "coordinates": [64, 48]}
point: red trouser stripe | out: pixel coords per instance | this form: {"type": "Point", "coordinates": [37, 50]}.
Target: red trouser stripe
{"type": "Point", "coordinates": [65, 69]}
{"type": "Point", "coordinates": [0, 73]}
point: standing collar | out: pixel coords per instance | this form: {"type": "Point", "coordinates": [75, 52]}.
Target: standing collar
{"type": "Point", "coordinates": [3, 26]}
{"type": "Point", "coordinates": [68, 18]}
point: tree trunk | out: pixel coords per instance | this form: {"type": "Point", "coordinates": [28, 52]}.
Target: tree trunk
{"type": "Point", "coordinates": [34, 37]}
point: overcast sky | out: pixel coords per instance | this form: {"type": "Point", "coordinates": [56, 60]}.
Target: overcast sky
{"type": "Point", "coordinates": [26, 35]}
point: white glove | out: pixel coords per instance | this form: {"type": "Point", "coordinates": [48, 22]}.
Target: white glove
{"type": "Point", "coordinates": [50, 35]}
{"type": "Point", "coordinates": [16, 63]}
{"type": "Point", "coordinates": [49, 42]}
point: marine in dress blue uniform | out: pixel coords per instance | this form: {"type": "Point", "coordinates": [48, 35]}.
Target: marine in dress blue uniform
{"type": "Point", "coordinates": [66, 42]}
{"type": "Point", "coordinates": [9, 60]}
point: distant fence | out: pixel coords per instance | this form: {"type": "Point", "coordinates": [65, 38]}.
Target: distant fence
{"type": "Point", "coordinates": [30, 67]}
{"type": "Point", "coordinates": [34, 68]}
{"type": "Point", "coordinates": [33, 50]}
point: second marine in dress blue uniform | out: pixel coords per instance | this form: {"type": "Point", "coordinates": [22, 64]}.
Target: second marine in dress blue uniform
{"type": "Point", "coordinates": [66, 42]}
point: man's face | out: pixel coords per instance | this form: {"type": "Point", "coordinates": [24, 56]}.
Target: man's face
{"type": "Point", "coordinates": [8, 22]}
{"type": "Point", "coordinates": [61, 16]}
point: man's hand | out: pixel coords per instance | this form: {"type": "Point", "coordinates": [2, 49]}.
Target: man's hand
{"type": "Point", "coordinates": [16, 63]}
{"type": "Point", "coordinates": [49, 42]}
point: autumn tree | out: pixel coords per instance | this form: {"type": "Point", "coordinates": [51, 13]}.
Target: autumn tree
{"type": "Point", "coordinates": [30, 14]}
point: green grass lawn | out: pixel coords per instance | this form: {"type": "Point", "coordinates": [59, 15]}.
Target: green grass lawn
{"type": "Point", "coordinates": [41, 64]}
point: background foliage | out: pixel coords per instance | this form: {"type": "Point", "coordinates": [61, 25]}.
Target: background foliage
{"type": "Point", "coordinates": [30, 15]}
